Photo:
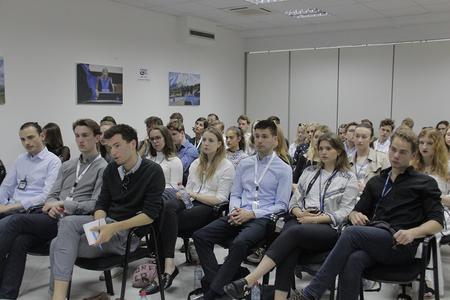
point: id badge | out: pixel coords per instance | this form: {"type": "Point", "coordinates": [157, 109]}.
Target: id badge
{"type": "Point", "coordinates": [22, 185]}
{"type": "Point", "coordinates": [255, 205]}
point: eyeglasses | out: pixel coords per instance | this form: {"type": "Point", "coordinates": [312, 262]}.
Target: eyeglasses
{"type": "Point", "coordinates": [125, 182]}
{"type": "Point", "coordinates": [155, 138]}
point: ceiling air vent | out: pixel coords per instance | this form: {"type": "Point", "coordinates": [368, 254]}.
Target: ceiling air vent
{"type": "Point", "coordinates": [248, 11]}
{"type": "Point", "coordinates": [202, 34]}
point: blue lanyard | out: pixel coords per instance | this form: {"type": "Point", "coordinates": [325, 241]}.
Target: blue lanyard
{"type": "Point", "coordinates": [386, 189]}
{"type": "Point", "coordinates": [327, 184]}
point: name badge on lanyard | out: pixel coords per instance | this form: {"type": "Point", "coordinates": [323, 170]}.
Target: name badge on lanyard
{"type": "Point", "coordinates": [255, 203]}
{"type": "Point", "coordinates": [22, 184]}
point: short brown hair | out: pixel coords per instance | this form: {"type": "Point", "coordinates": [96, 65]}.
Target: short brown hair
{"type": "Point", "coordinates": [245, 118]}
{"type": "Point", "coordinates": [91, 124]}
{"type": "Point", "coordinates": [407, 135]}
{"type": "Point", "coordinates": [388, 122]}
{"type": "Point", "coordinates": [176, 125]}
{"type": "Point", "coordinates": [408, 122]}
{"type": "Point", "coordinates": [176, 116]}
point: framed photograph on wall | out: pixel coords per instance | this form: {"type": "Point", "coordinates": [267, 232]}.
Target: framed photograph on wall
{"type": "Point", "coordinates": [99, 84]}
{"type": "Point", "coordinates": [184, 89]}
{"type": "Point", "coordinates": [2, 81]}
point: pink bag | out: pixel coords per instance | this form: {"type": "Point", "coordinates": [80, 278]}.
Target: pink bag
{"type": "Point", "coordinates": [144, 274]}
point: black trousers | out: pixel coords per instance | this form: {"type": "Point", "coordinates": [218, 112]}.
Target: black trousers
{"type": "Point", "coordinates": [20, 233]}
{"type": "Point", "coordinates": [176, 218]}
{"type": "Point", "coordinates": [244, 237]}
{"type": "Point", "coordinates": [298, 239]}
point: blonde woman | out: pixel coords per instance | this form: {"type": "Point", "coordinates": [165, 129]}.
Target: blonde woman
{"type": "Point", "coordinates": [209, 183]}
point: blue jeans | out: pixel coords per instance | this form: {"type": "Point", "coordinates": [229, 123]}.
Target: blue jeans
{"type": "Point", "coordinates": [358, 248]}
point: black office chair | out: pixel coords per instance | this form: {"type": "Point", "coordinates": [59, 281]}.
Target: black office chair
{"type": "Point", "coordinates": [105, 264]}
{"type": "Point", "coordinates": [406, 274]}
{"type": "Point", "coordinates": [219, 210]}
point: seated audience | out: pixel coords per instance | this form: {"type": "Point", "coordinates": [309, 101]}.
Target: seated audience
{"type": "Point", "coordinates": [212, 117]}
{"type": "Point", "coordinates": [326, 194]}
{"type": "Point", "coordinates": [311, 157]}
{"type": "Point", "coordinates": [32, 176]}
{"type": "Point", "coordinates": [301, 141]}
{"type": "Point", "coordinates": [74, 193]}
{"type": "Point", "coordinates": [130, 196]}
{"type": "Point", "coordinates": [162, 151]}
{"type": "Point", "coordinates": [104, 150]}
{"type": "Point", "coordinates": [219, 125]}
{"type": "Point", "coordinates": [200, 125]}
{"type": "Point", "coordinates": [262, 186]}
{"type": "Point", "coordinates": [185, 150]}
{"type": "Point", "coordinates": [144, 146]}
{"type": "Point", "coordinates": [384, 139]}
{"type": "Point", "coordinates": [281, 148]}
{"type": "Point", "coordinates": [108, 120]}
{"type": "Point", "coordinates": [54, 142]}
{"type": "Point", "coordinates": [442, 126]}
{"type": "Point", "coordinates": [365, 161]}
{"type": "Point", "coordinates": [342, 132]}
{"type": "Point", "coordinates": [401, 199]}
{"type": "Point", "coordinates": [408, 122]}
{"type": "Point", "coordinates": [209, 183]}
{"type": "Point", "coordinates": [432, 160]}
{"type": "Point", "coordinates": [235, 145]}
{"type": "Point", "coordinates": [277, 121]}
{"type": "Point", "coordinates": [2, 171]}
{"type": "Point", "coordinates": [179, 116]}
{"type": "Point", "coordinates": [244, 124]}
{"type": "Point", "coordinates": [349, 138]}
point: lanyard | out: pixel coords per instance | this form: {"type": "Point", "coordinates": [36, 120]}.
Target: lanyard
{"type": "Point", "coordinates": [199, 142]}
{"type": "Point", "coordinates": [366, 162]}
{"type": "Point", "coordinates": [386, 189]}
{"type": "Point", "coordinates": [257, 181]}
{"type": "Point", "coordinates": [78, 176]}
{"type": "Point", "coordinates": [327, 185]}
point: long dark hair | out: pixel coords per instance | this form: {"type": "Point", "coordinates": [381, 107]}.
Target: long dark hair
{"type": "Point", "coordinates": [169, 146]}
{"type": "Point", "coordinates": [335, 142]}
{"type": "Point", "coordinates": [53, 137]}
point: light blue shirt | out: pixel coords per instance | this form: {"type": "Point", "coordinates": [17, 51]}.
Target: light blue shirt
{"type": "Point", "coordinates": [274, 188]}
{"type": "Point", "coordinates": [39, 171]}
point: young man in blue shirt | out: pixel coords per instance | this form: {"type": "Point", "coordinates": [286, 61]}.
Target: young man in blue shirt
{"type": "Point", "coordinates": [262, 186]}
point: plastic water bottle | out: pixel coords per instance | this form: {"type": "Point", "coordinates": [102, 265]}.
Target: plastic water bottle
{"type": "Point", "coordinates": [198, 275]}
{"type": "Point", "coordinates": [142, 296]}
{"type": "Point", "coordinates": [186, 199]}
{"type": "Point", "coordinates": [256, 292]}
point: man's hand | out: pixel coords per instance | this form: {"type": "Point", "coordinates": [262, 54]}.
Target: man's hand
{"type": "Point", "coordinates": [106, 232]}
{"type": "Point", "coordinates": [239, 216]}
{"type": "Point", "coordinates": [308, 219]}
{"type": "Point", "coordinates": [53, 208]}
{"type": "Point", "coordinates": [358, 218]}
{"type": "Point", "coordinates": [404, 237]}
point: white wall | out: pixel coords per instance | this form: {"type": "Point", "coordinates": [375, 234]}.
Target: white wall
{"type": "Point", "coordinates": [42, 40]}
{"type": "Point", "coordinates": [362, 82]}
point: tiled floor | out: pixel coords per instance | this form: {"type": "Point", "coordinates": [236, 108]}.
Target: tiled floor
{"type": "Point", "coordinates": [86, 283]}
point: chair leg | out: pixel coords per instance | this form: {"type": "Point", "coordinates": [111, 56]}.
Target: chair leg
{"type": "Point", "coordinates": [187, 254]}
{"type": "Point", "coordinates": [158, 261]}
{"type": "Point", "coordinates": [108, 282]}
{"type": "Point", "coordinates": [124, 281]}
{"type": "Point", "coordinates": [434, 250]}
{"type": "Point", "coordinates": [68, 290]}
{"type": "Point", "coordinates": [361, 291]}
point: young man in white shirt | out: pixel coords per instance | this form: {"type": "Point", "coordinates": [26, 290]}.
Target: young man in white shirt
{"type": "Point", "coordinates": [384, 139]}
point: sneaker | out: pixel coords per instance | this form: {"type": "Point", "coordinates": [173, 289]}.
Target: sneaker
{"type": "Point", "coordinates": [115, 272]}
{"type": "Point", "coordinates": [256, 256]}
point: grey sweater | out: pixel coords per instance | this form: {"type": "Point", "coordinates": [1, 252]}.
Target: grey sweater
{"type": "Point", "coordinates": [86, 191]}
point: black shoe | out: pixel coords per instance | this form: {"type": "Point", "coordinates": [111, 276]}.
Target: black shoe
{"type": "Point", "coordinates": [168, 278]}
{"type": "Point", "coordinates": [237, 289]}
{"type": "Point", "coordinates": [151, 289]}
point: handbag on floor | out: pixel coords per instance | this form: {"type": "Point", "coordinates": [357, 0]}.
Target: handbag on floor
{"type": "Point", "coordinates": [144, 274]}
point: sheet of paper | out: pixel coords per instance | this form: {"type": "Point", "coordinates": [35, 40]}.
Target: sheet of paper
{"type": "Point", "coordinates": [92, 236]}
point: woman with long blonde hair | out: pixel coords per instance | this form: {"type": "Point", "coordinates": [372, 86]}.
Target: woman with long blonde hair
{"type": "Point", "coordinates": [209, 183]}
{"type": "Point", "coordinates": [432, 159]}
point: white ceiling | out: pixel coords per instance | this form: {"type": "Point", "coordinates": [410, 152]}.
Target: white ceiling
{"type": "Point", "coordinates": [343, 14]}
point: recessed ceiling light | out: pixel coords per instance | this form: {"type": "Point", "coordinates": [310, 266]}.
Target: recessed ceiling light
{"type": "Point", "coordinates": [263, 1]}
{"type": "Point", "coordinates": [306, 13]}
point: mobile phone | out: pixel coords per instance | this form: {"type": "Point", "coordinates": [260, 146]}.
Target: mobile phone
{"type": "Point", "coordinates": [313, 210]}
